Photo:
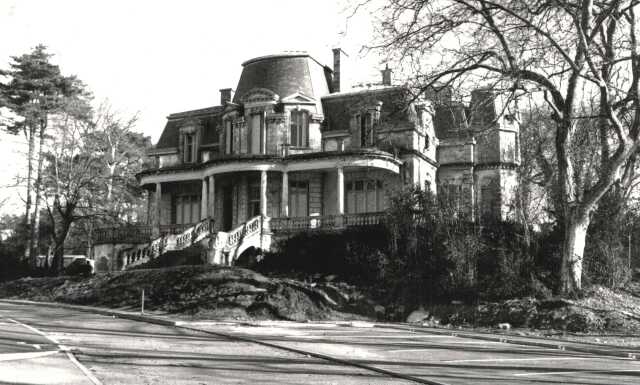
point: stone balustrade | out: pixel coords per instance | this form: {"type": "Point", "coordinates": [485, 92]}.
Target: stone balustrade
{"type": "Point", "coordinates": [325, 222]}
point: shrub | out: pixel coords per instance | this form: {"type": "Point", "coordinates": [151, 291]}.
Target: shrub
{"type": "Point", "coordinates": [79, 267]}
{"type": "Point", "coordinates": [355, 254]}
{"type": "Point", "coordinates": [605, 264]}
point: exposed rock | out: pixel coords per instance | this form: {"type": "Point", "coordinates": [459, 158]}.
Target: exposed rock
{"type": "Point", "coordinates": [418, 316]}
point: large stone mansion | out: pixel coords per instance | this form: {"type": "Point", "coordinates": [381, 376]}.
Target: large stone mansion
{"type": "Point", "coordinates": [292, 149]}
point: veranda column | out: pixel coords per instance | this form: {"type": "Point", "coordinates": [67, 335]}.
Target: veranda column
{"type": "Point", "coordinates": [340, 196]}
{"type": "Point", "coordinates": [285, 194]}
{"type": "Point", "coordinates": [212, 196]}
{"type": "Point", "coordinates": [340, 192]}
{"type": "Point", "coordinates": [263, 193]}
{"type": "Point", "coordinates": [156, 220]}
{"type": "Point", "coordinates": [203, 199]}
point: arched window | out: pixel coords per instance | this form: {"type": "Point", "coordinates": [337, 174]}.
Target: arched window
{"type": "Point", "coordinates": [299, 126]}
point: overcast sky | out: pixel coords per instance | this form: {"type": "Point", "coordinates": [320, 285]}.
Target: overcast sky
{"type": "Point", "coordinates": [159, 57]}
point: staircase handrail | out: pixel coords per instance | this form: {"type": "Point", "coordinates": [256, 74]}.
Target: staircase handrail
{"type": "Point", "coordinates": [250, 227]}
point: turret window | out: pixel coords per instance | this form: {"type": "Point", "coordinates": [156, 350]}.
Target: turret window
{"type": "Point", "coordinates": [299, 128]}
{"type": "Point", "coordinates": [255, 133]}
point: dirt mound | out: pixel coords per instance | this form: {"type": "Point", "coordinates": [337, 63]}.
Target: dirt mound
{"type": "Point", "coordinates": [212, 292]}
{"type": "Point", "coordinates": [599, 310]}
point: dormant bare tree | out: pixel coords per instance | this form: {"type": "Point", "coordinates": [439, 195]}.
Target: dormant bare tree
{"type": "Point", "coordinates": [574, 54]}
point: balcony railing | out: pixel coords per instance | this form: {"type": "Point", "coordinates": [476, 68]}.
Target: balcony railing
{"type": "Point", "coordinates": [325, 222]}
{"type": "Point", "coordinates": [174, 228]}
{"type": "Point", "coordinates": [364, 219]}
{"type": "Point", "coordinates": [135, 233]}
{"type": "Point", "coordinates": [123, 234]}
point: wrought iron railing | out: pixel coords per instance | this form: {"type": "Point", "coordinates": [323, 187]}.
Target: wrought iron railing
{"type": "Point", "coordinates": [174, 228]}
{"type": "Point", "coordinates": [123, 234]}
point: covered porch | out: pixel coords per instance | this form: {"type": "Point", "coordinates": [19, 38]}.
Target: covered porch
{"type": "Point", "coordinates": [291, 199]}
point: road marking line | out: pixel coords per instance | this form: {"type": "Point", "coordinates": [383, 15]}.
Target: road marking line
{"type": "Point", "coordinates": [579, 372]}
{"type": "Point", "coordinates": [524, 359]}
{"type": "Point", "coordinates": [25, 356]}
{"type": "Point", "coordinates": [381, 336]}
{"type": "Point", "coordinates": [64, 349]}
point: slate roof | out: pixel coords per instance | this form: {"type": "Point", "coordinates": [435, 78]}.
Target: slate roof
{"type": "Point", "coordinates": [338, 108]}
{"type": "Point", "coordinates": [209, 118]}
{"type": "Point", "coordinates": [285, 75]}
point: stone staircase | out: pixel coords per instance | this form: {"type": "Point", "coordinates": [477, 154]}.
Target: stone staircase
{"type": "Point", "coordinates": [222, 247]}
{"type": "Point", "coordinates": [228, 246]}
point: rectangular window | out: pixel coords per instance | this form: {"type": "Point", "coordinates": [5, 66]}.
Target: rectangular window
{"type": "Point", "coordinates": [299, 198]}
{"type": "Point", "coordinates": [452, 197]}
{"type": "Point", "coordinates": [254, 199]}
{"type": "Point", "coordinates": [228, 137]}
{"type": "Point", "coordinates": [255, 134]}
{"type": "Point", "coordinates": [299, 127]}
{"type": "Point", "coordinates": [189, 148]}
{"type": "Point", "coordinates": [364, 196]}
{"type": "Point", "coordinates": [187, 209]}
{"type": "Point", "coordinates": [366, 130]}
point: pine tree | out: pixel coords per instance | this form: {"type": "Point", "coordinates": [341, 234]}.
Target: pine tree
{"type": "Point", "coordinates": [33, 93]}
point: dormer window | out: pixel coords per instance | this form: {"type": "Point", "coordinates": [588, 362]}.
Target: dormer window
{"type": "Point", "coordinates": [189, 135]}
{"type": "Point", "coordinates": [366, 130]}
{"type": "Point", "coordinates": [189, 148]}
{"type": "Point", "coordinates": [299, 128]}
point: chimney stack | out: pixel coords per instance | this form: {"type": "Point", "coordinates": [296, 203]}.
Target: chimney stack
{"type": "Point", "coordinates": [339, 57]}
{"type": "Point", "coordinates": [386, 75]}
{"type": "Point", "coordinates": [226, 94]}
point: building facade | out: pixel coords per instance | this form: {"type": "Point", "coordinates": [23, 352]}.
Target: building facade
{"type": "Point", "coordinates": [293, 147]}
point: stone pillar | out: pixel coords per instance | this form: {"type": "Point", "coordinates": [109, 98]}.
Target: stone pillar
{"type": "Point", "coordinates": [263, 134]}
{"type": "Point", "coordinates": [203, 199]}
{"type": "Point", "coordinates": [340, 192]}
{"type": "Point", "coordinates": [212, 197]}
{"type": "Point", "coordinates": [285, 194]}
{"type": "Point", "coordinates": [263, 193]}
{"type": "Point", "coordinates": [340, 195]}
{"type": "Point", "coordinates": [158, 202]}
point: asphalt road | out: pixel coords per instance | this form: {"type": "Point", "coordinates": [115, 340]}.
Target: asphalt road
{"type": "Point", "coordinates": [118, 351]}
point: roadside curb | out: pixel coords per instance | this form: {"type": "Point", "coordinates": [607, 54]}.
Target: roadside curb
{"type": "Point", "coordinates": [558, 344]}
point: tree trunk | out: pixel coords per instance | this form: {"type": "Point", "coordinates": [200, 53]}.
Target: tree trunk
{"type": "Point", "coordinates": [57, 264]}
{"type": "Point", "coordinates": [58, 248]}
{"type": "Point", "coordinates": [576, 226]}
{"type": "Point", "coordinates": [27, 217]}
{"type": "Point", "coordinates": [35, 223]}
